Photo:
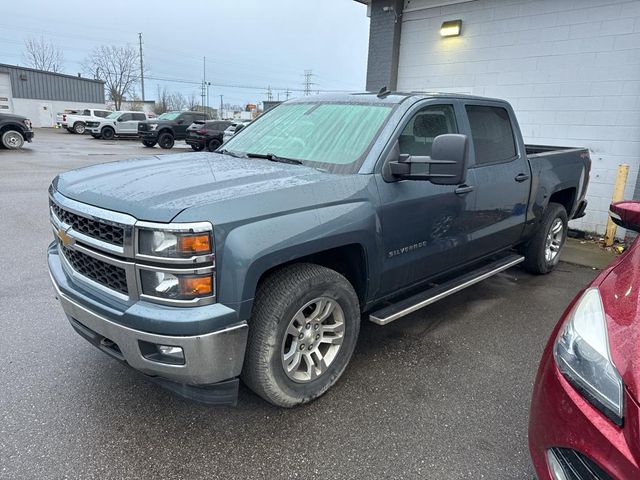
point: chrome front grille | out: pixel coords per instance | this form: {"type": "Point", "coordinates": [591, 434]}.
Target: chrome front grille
{"type": "Point", "coordinates": [93, 228]}
{"type": "Point", "coordinates": [111, 276]}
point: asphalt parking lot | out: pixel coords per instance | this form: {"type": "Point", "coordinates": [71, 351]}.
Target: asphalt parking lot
{"type": "Point", "coordinates": [441, 394]}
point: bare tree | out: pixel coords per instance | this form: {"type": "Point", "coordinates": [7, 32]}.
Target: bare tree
{"type": "Point", "coordinates": [177, 101]}
{"type": "Point", "coordinates": [119, 67]}
{"type": "Point", "coordinates": [43, 54]}
{"type": "Point", "coordinates": [162, 102]}
{"type": "Point", "coordinates": [193, 102]}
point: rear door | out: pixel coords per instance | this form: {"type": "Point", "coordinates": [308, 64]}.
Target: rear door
{"type": "Point", "coordinates": [500, 173]}
{"type": "Point", "coordinates": [137, 118]}
{"type": "Point", "coordinates": [182, 123]}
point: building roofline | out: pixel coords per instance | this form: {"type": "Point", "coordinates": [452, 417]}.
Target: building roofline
{"type": "Point", "coordinates": [29, 69]}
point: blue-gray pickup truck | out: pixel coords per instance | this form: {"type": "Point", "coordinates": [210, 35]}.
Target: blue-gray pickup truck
{"type": "Point", "coordinates": [258, 261]}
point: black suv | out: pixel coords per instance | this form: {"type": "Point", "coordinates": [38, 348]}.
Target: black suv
{"type": "Point", "coordinates": [167, 128]}
{"type": "Point", "coordinates": [14, 130]}
{"type": "Point", "coordinates": [201, 135]}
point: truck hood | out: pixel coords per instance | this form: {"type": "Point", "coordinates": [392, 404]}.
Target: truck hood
{"type": "Point", "coordinates": [159, 188]}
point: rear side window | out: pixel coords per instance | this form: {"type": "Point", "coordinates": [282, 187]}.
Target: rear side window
{"type": "Point", "coordinates": [492, 134]}
{"type": "Point", "coordinates": [139, 116]}
{"type": "Point", "coordinates": [101, 113]}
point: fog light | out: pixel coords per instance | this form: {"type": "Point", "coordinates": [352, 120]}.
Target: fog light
{"type": "Point", "coordinates": [175, 353]}
{"type": "Point", "coordinates": [554, 465]}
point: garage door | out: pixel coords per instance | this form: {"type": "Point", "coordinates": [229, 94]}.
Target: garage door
{"type": "Point", "coordinates": [6, 105]}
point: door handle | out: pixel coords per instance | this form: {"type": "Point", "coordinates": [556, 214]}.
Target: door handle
{"type": "Point", "coordinates": [463, 189]}
{"type": "Point", "coordinates": [522, 177]}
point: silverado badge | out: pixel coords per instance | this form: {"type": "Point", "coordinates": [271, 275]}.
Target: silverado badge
{"type": "Point", "coordinates": [65, 238]}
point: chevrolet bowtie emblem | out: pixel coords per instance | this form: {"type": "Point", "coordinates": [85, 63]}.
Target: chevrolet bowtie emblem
{"type": "Point", "coordinates": [65, 238]}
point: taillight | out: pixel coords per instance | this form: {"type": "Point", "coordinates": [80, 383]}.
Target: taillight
{"type": "Point", "coordinates": [64, 118]}
{"type": "Point", "coordinates": [202, 131]}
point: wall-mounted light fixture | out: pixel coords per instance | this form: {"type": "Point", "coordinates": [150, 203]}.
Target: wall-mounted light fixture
{"type": "Point", "coordinates": [452, 28]}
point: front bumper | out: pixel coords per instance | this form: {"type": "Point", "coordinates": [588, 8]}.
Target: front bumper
{"type": "Point", "coordinates": [28, 135]}
{"type": "Point", "coordinates": [148, 135]}
{"type": "Point", "coordinates": [585, 442]}
{"type": "Point", "coordinates": [209, 358]}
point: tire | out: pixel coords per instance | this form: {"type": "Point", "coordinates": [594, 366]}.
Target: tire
{"type": "Point", "coordinates": [149, 143]}
{"type": "Point", "coordinates": [12, 139]}
{"type": "Point", "coordinates": [79, 128]}
{"type": "Point", "coordinates": [213, 145]}
{"type": "Point", "coordinates": [279, 307]}
{"type": "Point", "coordinates": [197, 148]}
{"type": "Point", "coordinates": [108, 133]}
{"type": "Point", "coordinates": [542, 253]}
{"type": "Point", "coordinates": [166, 140]}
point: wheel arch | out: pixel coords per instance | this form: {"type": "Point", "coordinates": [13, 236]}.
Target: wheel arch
{"type": "Point", "coordinates": [11, 126]}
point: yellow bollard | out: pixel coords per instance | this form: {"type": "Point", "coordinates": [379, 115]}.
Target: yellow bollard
{"type": "Point", "coordinates": [618, 195]}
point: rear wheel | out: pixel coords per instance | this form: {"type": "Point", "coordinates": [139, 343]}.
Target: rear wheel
{"type": "Point", "coordinates": [197, 148]}
{"type": "Point", "coordinates": [149, 143]}
{"type": "Point", "coordinates": [108, 133]}
{"type": "Point", "coordinates": [213, 145]}
{"type": "Point", "coordinates": [542, 253]}
{"type": "Point", "coordinates": [165, 140]}
{"type": "Point", "coordinates": [79, 127]}
{"type": "Point", "coordinates": [304, 328]}
{"type": "Point", "coordinates": [12, 139]}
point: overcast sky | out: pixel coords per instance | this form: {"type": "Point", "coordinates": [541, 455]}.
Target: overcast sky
{"type": "Point", "coordinates": [253, 43]}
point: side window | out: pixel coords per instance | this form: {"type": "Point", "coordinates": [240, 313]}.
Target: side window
{"type": "Point", "coordinates": [101, 113]}
{"type": "Point", "coordinates": [86, 113]}
{"type": "Point", "coordinates": [429, 122]}
{"type": "Point", "coordinates": [125, 117]}
{"type": "Point", "coordinates": [492, 134]}
{"type": "Point", "coordinates": [186, 119]}
{"type": "Point", "coordinates": [139, 117]}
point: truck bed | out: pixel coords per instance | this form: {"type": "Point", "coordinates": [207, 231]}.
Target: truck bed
{"type": "Point", "coordinates": [538, 150]}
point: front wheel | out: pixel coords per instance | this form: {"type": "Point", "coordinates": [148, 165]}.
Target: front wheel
{"type": "Point", "coordinates": [304, 328]}
{"type": "Point", "coordinates": [542, 253]}
{"type": "Point", "coordinates": [108, 133]}
{"type": "Point", "coordinates": [12, 139]}
{"type": "Point", "coordinates": [166, 141]}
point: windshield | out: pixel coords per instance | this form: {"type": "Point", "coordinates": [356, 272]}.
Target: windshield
{"type": "Point", "coordinates": [334, 134]}
{"type": "Point", "coordinates": [169, 116]}
{"type": "Point", "coordinates": [113, 115]}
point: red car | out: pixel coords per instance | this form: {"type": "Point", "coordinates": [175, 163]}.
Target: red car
{"type": "Point", "coordinates": [585, 411]}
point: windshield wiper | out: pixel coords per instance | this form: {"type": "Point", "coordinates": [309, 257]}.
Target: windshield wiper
{"type": "Point", "coordinates": [272, 157]}
{"type": "Point", "coordinates": [231, 153]}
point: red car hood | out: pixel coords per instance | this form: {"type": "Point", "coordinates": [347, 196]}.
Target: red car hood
{"type": "Point", "coordinates": [620, 291]}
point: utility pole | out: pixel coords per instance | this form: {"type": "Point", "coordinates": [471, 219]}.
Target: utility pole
{"type": "Point", "coordinates": [220, 114]}
{"type": "Point", "coordinates": [287, 93]}
{"type": "Point", "coordinates": [308, 76]}
{"type": "Point", "coordinates": [204, 86]}
{"type": "Point", "coordinates": [141, 66]}
{"type": "Point", "coordinates": [269, 93]}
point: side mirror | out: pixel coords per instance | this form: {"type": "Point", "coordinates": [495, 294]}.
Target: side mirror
{"type": "Point", "coordinates": [626, 215]}
{"type": "Point", "coordinates": [119, 119]}
{"type": "Point", "coordinates": [447, 164]}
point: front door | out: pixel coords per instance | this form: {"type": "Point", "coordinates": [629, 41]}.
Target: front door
{"type": "Point", "coordinates": [423, 225]}
{"type": "Point", "coordinates": [126, 124]}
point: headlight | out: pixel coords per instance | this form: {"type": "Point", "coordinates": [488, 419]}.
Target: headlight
{"type": "Point", "coordinates": [176, 286]}
{"type": "Point", "coordinates": [27, 123]}
{"type": "Point", "coordinates": [582, 355]}
{"type": "Point", "coordinates": [172, 244]}
{"type": "Point", "coordinates": [153, 126]}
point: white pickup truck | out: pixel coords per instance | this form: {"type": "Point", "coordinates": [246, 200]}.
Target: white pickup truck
{"type": "Point", "coordinates": [77, 122]}
{"type": "Point", "coordinates": [121, 124]}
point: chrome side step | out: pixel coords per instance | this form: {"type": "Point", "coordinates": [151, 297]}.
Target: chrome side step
{"type": "Point", "coordinates": [416, 302]}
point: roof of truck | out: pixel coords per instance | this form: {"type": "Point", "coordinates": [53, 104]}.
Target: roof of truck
{"type": "Point", "coordinates": [386, 98]}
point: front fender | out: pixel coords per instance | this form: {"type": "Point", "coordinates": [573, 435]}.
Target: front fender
{"type": "Point", "coordinates": [249, 250]}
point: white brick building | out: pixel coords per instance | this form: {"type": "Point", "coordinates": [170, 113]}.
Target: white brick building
{"type": "Point", "coordinates": [570, 68]}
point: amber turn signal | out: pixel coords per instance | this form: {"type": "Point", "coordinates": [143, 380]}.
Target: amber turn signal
{"type": "Point", "coordinates": [196, 286]}
{"type": "Point", "coordinates": [194, 243]}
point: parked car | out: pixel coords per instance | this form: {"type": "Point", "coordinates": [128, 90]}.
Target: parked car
{"type": "Point", "coordinates": [261, 263]}
{"type": "Point", "coordinates": [201, 135]}
{"type": "Point", "coordinates": [14, 131]}
{"type": "Point", "coordinates": [61, 117]}
{"type": "Point", "coordinates": [77, 122]}
{"type": "Point", "coordinates": [116, 124]}
{"type": "Point", "coordinates": [232, 129]}
{"type": "Point", "coordinates": [167, 128]}
{"type": "Point", "coordinates": [586, 399]}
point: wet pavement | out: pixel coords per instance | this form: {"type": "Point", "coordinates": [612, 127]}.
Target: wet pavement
{"type": "Point", "coordinates": [441, 394]}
